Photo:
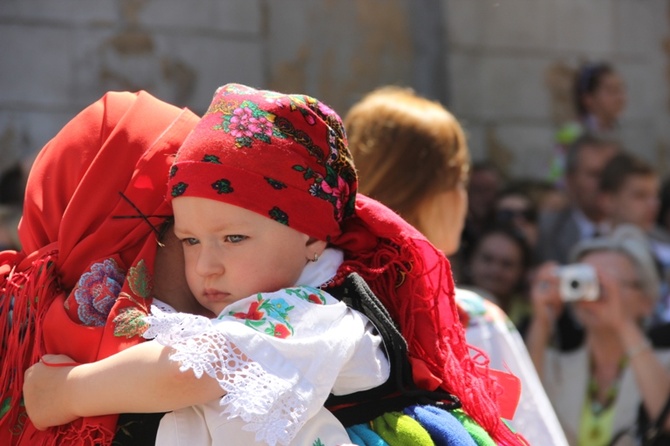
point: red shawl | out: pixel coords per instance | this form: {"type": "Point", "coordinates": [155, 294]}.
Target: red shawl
{"type": "Point", "coordinates": [80, 230]}
{"type": "Point", "coordinates": [413, 280]}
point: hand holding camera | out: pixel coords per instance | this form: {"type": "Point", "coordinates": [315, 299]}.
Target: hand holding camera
{"type": "Point", "coordinates": [578, 281]}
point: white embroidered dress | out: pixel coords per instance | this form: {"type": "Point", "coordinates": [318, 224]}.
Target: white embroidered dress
{"type": "Point", "coordinates": [277, 357]}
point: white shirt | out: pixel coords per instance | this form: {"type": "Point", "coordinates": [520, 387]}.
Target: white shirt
{"type": "Point", "coordinates": [277, 357]}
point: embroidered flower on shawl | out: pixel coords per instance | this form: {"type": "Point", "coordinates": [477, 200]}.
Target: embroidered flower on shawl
{"type": "Point", "coordinates": [96, 291]}
{"type": "Point", "coordinates": [130, 322]}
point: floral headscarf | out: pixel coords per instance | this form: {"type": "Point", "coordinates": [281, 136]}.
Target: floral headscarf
{"type": "Point", "coordinates": [282, 156]}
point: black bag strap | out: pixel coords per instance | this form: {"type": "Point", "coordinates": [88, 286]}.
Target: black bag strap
{"type": "Point", "coordinates": [651, 433]}
{"type": "Point", "coordinates": [399, 390]}
{"type": "Point", "coordinates": [648, 433]}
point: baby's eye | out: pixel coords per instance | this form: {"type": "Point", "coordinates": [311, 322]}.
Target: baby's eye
{"type": "Point", "coordinates": [235, 238]}
{"type": "Point", "coordinates": [190, 241]}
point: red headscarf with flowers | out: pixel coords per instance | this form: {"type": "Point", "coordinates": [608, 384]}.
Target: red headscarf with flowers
{"type": "Point", "coordinates": [82, 281]}
{"type": "Point", "coordinates": [286, 158]}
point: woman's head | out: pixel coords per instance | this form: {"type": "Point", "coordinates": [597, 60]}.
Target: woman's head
{"type": "Point", "coordinates": [282, 156]}
{"type": "Point", "coordinates": [411, 154]}
{"type": "Point", "coordinates": [599, 91]}
{"type": "Point", "coordinates": [624, 255]}
{"type": "Point", "coordinates": [499, 262]}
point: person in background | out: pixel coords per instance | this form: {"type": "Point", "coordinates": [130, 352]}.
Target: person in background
{"type": "Point", "coordinates": [630, 189]}
{"type": "Point", "coordinates": [585, 217]}
{"type": "Point", "coordinates": [599, 99]}
{"type": "Point", "coordinates": [499, 267]}
{"type": "Point", "coordinates": [516, 206]}
{"type": "Point", "coordinates": [411, 154]}
{"type": "Point", "coordinates": [598, 388]}
{"type": "Point", "coordinates": [484, 184]}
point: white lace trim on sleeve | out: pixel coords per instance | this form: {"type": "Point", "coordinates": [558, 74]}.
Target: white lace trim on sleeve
{"type": "Point", "coordinates": [267, 404]}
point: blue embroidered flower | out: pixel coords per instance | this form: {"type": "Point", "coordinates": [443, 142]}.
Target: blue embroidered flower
{"type": "Point", "coordinates": [278, 308]}
{"type": "Point", "coordinates": [96, 291]}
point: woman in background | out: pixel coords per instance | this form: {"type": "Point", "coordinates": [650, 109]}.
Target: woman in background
{"type": "Point", "coordinates": [411, 154]}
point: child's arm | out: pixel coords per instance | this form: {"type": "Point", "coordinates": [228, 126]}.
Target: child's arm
{"type": "Point", "coordinates": [139, 379]}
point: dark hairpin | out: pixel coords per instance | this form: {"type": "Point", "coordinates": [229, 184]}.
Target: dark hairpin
{"type": "Point", "coordinates": [141, 215]}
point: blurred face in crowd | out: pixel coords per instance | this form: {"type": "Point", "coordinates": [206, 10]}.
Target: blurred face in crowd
{"type": "Point", "coordinates": [497, 265]}
{"type": "Point", "coordinates": [633, 298]}
{"type": "Point", "coordinates": [608, 101]}
{"type": "Point", "coordinates": [483, 188]}
{"type": "Point", "coordinates": [441, 218]}
{"type": "Point", "coordinates": [636, 202]}
{"type": "Point", "coordinates": [517, 209]}
{"type": "Point", "coordinates": [583, 183]}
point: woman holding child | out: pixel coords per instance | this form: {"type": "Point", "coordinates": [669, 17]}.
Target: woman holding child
{"type": "Point", "coordinates": [279, 162]}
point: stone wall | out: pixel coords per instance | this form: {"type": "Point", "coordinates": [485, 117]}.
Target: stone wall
{"type": "Point", "coordinates": [501, 66]}
{"type": "Point", "coordinates": [510, 64]}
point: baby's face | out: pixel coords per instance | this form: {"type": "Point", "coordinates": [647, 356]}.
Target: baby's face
{"type": "Point", "coordinates": [231, 253]}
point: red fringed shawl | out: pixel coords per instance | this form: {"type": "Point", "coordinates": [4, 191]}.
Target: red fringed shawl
{"type": "Point", "coordinates": [79, 226]}
{"type": "Point", "coordinates": [413, 280]}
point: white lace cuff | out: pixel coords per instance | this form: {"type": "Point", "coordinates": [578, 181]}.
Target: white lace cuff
{"type": "Point", "coordinates": [269, 405]}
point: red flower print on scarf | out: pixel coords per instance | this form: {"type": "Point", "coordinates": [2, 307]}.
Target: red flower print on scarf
{"type": "Point", "coordinates": [243, 123]}
{"type": "Point", "coordinates": [339, 192]}
{"type": "Point", "coordinates": [253, 313]}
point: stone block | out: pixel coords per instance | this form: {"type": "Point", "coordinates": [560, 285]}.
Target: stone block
{"type": "Point", "coordinates": [524, 24]}
{"type": "Point", "coordinates": [526, 147]}
{"type": "Point", "coordinates": [583, 27]}
{"type": "Point", "coordinates": [512, 87]}
{"type": "Point", "coordinates": [465, 83]}
{"type": "Point", "coordinates": [462, 21]}
{"type": "Point", "coordinates": [62, 11]}
{"type": "Point", "coordinates": [35, 64]}
{"type": "Point", "coordinates": [635, 35]}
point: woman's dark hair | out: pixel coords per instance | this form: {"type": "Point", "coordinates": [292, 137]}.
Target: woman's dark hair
{"type": "Point", "coordinates": [588, 79]}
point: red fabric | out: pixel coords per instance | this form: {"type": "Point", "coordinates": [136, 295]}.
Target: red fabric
{"type": "Point", "coordinates": [413, 280]}
{"type": "Point", "coordinates": [122, 144]}
{"type": "Point", "coordinates": [282, 156]}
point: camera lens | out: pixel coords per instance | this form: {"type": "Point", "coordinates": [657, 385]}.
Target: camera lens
{"type": "Point", "coordinates": [574, 284]}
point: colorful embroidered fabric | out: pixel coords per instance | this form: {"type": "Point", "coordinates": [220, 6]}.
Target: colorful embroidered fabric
{"type": "Point", "coordinates": [283, 156]}
{"type": "Point", "coordinates": [82, 282]}
{"type": "Point", "coordinates": [286, 157]}
{"type": "Point", "coordinates": [275, 381]}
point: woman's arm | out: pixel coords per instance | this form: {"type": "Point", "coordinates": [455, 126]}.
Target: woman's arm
{"type": "Point", "coordinates": [139, 379]}
{"type": "Point", "coordinates": [547, 305]}
{"type": "Point", "coordinates": [651, 376]}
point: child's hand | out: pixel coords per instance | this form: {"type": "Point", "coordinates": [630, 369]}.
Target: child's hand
{"type": "Point", "coordinates": [43, 391]}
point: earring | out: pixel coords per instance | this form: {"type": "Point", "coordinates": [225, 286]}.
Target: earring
{"type": "Point", "coordinates": [315, 258]}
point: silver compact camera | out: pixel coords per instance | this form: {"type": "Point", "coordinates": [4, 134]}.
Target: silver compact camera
{"type": "Point", "coordinates": [578, 281]}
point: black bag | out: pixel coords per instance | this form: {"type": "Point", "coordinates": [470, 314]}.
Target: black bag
{"type": "Point", "coordinates": [649, 434]}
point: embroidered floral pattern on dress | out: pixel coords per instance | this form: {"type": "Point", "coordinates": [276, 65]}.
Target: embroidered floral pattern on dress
{"type": "Point", "coordinates": [96, 291]}
{"type": "Point", "coordinates": [271, 316]}
{"type": "Point", "coordinates": [267, 404]}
